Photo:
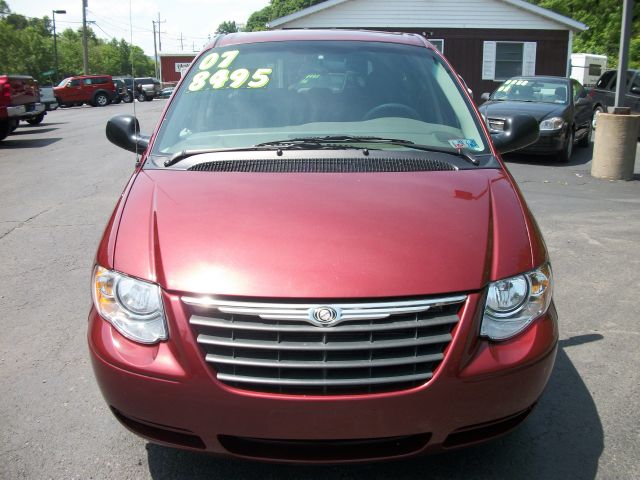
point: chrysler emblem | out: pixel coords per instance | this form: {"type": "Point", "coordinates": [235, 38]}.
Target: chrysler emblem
{"type": "Point", "coordinates": [324, 316]}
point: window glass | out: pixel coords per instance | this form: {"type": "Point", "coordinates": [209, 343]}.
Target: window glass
{"type": "Point", "coordinates": [595, 69]}
{"type": "Point", "coordinates": [86, 81]}
{"type": "Point", "coordinates": [531, 89]}
{"type": "Point", "coordinates": [248, 94]}
{"type": "Point", "coordinates": [605, 80]}
{"type": "Point", "coordinates": [509, 57]}
{"type": "Point", "coordinates": [74, 83]}
{"type": "Point", "coordinates": [578, 90]}
{"type": "Point", "coordinates": [438, 43]}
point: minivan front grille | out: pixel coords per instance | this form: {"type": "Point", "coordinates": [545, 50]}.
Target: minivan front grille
{"type": "Point", "coordinates": [360, 348]}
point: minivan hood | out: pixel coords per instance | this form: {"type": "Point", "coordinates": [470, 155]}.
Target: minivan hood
{"type": "Point", "coordinates": [316, 235]}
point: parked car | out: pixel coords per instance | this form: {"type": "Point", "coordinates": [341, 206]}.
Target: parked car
{"type": "Point", "coordinates": [166, 92]}
{"type": "Point", "coordinates": [95, 90]}
{"type": "Point", "coordinates": [48, 98]}
{"type": "Point", "coordinates": [147, 89]}
{"type": "Point", "coordinates": [123, 94]}
{"type": "Point", "coordinates": [19, 100]}
{"type": "Point", "coordinates": [298, 272]}
{"type": "Point", "coordinates": [604, 93]}
{"type": "Point", "coordinates": [560, 104]}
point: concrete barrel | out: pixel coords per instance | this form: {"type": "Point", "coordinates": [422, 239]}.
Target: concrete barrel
{"type": "Point", "coordinates": [614, 146]}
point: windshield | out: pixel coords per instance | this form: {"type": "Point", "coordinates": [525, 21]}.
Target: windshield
{"type": "Point", "coordinates": [530, 90]}
{"type": "Point", "coordinates": [64, 82]}
{"type": "Point", "coordinates": [244, 95]}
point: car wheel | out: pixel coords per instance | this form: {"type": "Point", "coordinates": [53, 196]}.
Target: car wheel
{"type": "Point", "coordinates": [596, 112]}
{"type": "Point", "coordinates": [141, 97]}
{"type": "Point", "coordinates": [148, 99]}
{"type": "Point", "coordinates": [127, 98]}
{"type": "Point", "coordinates": [565, 154]}
{"type": "Point", "coordinates": [116, 100]}
{"type": "Point", "coordinates": [36, 120]}
{"type": "Point", "coordinates": [584, 141]}
{"type": "Point", "coordinates": [5, 130]}
{"type": "Point", "coordinates": [13, 124]}
{"type": "Point", "coordinates": [101, 100]}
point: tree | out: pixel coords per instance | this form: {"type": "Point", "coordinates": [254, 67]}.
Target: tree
{"type": "Point", "coordinates": [276, 9]}
{"type": "Point", "coordinates": [227, 27]}
{"type": "Point", "coordinates": [604, 19]}
{"type": "Point", "coordinates": [4, 9]}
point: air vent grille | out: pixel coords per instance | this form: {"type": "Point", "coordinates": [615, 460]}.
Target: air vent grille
{"type": "Point", "coordinates": [326, 165]}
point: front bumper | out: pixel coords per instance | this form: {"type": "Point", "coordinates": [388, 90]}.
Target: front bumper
{"type": "Point", "coordinates": [550, 142]}
{"type": "Point", "coordinates": [168, 393]}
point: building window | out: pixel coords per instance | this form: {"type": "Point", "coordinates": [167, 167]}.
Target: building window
{"type": "Point", "coordinates": [509, 58]}
{"type": "Point", "coordinates": [503, 60]}
{"type": "Point", "coordinates": [438, 43]}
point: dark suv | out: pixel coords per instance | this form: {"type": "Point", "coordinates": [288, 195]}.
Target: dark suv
{"type": "Point", "coordinates": [96, 90]}
{"type": "Point", "coordinates": [147, 88]}
{"type": "Point", "coordinates": [604, 92]}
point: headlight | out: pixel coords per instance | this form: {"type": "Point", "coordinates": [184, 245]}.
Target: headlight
{"type": "Point", "coordinates": [555, 123]}
{"type": "Point", "coordinates": [513, 303]}
{"type": "Point", "coordinates": [132, 306]}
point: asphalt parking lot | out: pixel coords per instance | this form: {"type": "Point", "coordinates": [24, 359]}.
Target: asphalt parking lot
{"type": "Point", "coordinates": [59, 182]}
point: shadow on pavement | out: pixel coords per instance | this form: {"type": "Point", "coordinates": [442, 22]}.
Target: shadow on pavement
{"type": "Point", "coordinates": [31, 130]}
{"type": "Point", "coordinates": [31, 143]}
{"type": "Point", "coordinates": [580, 156]}
{"type": "Point", "coordinates": [563, 438]}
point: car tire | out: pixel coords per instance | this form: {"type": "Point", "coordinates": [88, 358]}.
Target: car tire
{"type": "Point", "coordinates": [141, 97]}
{"type": "Point", "coordinates": [149, 98]}
{"type": "Point", "coordinates": [13, 124]}
{"type": "Point", "coordinates": [100, 100]}
{"type": "Point", "coordinates": [116, 100]}
{"type": "Point", "coordinates": [596, 111]}
{"type": "Point", "coordinates": [584, 141]}
{"type": "Point", "coordinates": [127, 98]}
{"type": "Point", "coordinates": [5, 129]}
{"type": "Point", "coordinates": [565, 154]}
{"type": "Point", "coordinates": [36, 120]}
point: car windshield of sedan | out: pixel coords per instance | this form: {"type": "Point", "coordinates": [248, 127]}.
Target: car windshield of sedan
{"type": "Point", "coordinates": [244, 95]}
{"type": "Point", "coordinates": [529, 90]}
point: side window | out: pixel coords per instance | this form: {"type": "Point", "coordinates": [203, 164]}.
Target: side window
{"type": "Point", "coordinates": [605, 80]}
{"type": "Point", "coordinates": [74, 83]}
{"type": "Point", "coordinates": [86, 81]}
{"type": "Point", "coordinates": [635, 86]}
{"type": "Point", "coordinates": [578, 90]}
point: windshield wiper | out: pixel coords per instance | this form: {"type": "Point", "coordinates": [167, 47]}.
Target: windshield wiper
{"type": "Point", "coordinates": [329, 142]}
{"type": "Point", "coordinates": [262, 147]}
{"type": "Point", "coordinates": [349, 139]}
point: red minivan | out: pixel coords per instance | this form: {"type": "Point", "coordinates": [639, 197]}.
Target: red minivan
{"type": "Point", "coordinates": [321, 257]}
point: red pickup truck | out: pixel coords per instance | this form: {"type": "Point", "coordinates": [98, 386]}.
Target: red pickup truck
{"type": "Point", "coordinates": [19, 100]}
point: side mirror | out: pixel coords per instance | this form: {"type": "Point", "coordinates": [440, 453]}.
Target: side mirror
{"type": "Point", "coordinates": [635, 90]}
{"type": "Point", "coordinates": [520, 130]}
{"type": "Point", "coordinates": [124, 131]}
{"type": "Point", "coordinates": [485, 96]}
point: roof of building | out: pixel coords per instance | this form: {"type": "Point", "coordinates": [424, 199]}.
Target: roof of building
{"type": "Point", "coordinates": [567, 22]}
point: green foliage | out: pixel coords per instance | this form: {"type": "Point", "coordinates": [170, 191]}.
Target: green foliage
{"type": "Point", "coordinates": [227, 27]}
{"type": "Point", "coordinates": [27, 48]}
{"type": "Point", "coordinates": [276, 9]}
{"type": "Point", "coordinates": [604, 19]}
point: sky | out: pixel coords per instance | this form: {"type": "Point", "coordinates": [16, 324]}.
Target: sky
{"type": "Point", "coordinates": [194, 19]}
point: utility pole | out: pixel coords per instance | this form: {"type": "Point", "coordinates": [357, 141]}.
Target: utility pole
{"type": "Point", "coordinates": [625, 36]}
{"type": "Point", "coordinates": [155, 49]}
{"type": "Point", "coordinates": [159, 39]}
{"type": "Point", "coordinates": [85, 48]}
{"type": "Point", "coordinates": [181, 45]}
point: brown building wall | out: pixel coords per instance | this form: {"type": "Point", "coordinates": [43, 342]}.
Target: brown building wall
{"type": "Point", "coordinates": [168, 67]}
{"type": "Point", "coordinates": [463, 47]}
